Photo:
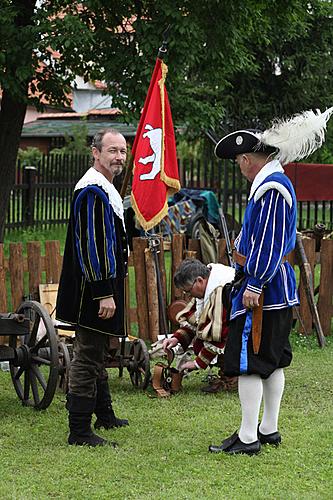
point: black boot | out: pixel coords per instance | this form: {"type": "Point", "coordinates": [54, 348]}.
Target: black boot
{"type": "Point", "coordinates": [103, 409]}
{"type": "Point", "coordinates": [79, 417]}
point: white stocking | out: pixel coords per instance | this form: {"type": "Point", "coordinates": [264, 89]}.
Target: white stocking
{"type": "Point", "coordinates": [273, 388]}
{"type": "Point", "coordinates": [250, 392]}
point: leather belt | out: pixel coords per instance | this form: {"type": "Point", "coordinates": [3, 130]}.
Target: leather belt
{"type": "Point", "coordinates": [257, 312]}
{"type": "Point", "coordinates": [241, 259]}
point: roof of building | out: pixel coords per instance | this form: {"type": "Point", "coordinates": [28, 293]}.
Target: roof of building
{"type": "Point", "coordinates": [62, 127]}
{"type": "Point", "coordinates": [89, 115]}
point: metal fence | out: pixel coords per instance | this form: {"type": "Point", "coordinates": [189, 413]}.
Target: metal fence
{"type": "Point", "coordinates": [42, 194]}
{"type": "Point", "coordinates": [232, 190]}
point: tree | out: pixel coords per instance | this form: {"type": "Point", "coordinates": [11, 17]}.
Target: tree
{"type": "Point", "coordinates": [229, 62]}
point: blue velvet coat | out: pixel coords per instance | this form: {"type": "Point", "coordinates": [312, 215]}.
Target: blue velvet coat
{"type": "Point", "coordinates": [268, 234]}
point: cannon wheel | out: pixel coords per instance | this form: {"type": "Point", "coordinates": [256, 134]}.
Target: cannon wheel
{"type": "Point", "coordinates": [64, 364]}
{"type": "Point", "coordinates": [35, 368]}
{"type": "Point", "coordinates": [139, 366]}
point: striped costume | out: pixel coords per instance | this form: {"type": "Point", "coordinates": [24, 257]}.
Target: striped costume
{"type": "Point", "coordinates": [95, 257]}
{"type": "Point", "coordinates": [203, 321]}
{"type": "Point", "coordinates": [268, 234]}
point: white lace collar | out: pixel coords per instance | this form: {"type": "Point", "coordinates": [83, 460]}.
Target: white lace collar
{"type": "Point", "coordinates": [92, 176]}
{"type": "Point", "coordinates": [219, 275]}
{"type": "Point", "coordinates": [272, 167]}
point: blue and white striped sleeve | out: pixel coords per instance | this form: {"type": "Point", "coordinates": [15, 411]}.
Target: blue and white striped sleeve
{"type": "Point", "coordinates": [268, 240]}
{"type": "Point", "coordinates": [96, 241]}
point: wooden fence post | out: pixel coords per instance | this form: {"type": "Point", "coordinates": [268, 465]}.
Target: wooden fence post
{"type": "Point", "coordinates": [177, 248]}
{"type": "Point", "coordinates": [34, 268]}
{"type": "Point", "coordinates": [305, 313]}
{"type": "Point", "coordinates": [52, 261]}
{"type": "Point", "coordinates": [139, 245]}
{"type": "Point", "coordinates": [194, 246]}
{"type": "Point", "coordinates": [3, 290]}
{"type": "Point", "coordinates": [190, 254]}
{"type": "Point", "coordinates": [16, 274]}
{"type": "Point", "coordinates": [325, 308]}
{"type": "Point", "coordinates": [152, 296]}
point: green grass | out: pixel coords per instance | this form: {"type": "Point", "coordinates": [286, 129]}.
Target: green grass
{"type": "Point", "coordinates": [35, 234]}
{"type": "Point", "coordinates": [163, 453]}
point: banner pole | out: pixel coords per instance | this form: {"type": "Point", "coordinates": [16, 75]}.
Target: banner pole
{"type": "Point", "coordinates": [127, 177]}
{"type": "Point", "coordinates": [161, 53]}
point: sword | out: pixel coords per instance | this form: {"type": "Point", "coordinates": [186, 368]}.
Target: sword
{"type": "Point", "coordinates": [225, 231]}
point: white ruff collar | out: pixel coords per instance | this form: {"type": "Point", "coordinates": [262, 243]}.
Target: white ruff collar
{"type": "Point", "coordinates": [219, 275]}
{"type": "Point", "coordinates": [272, 167]}
{"type": "Point", "coordinates": [92, 176]}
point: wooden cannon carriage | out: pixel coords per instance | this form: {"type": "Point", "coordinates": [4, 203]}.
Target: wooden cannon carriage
{"type": "Point", "coordinates": [39, 358]}
{"type": "Point", "coordinates": [32, 352]}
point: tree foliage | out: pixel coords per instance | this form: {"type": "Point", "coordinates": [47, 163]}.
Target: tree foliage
{"type": "Point", "coordinates": [29, 156]}
{"type": "Point", "coordinates": [231, 63]}
{"type": "Point", "coordinates": [228, 61]}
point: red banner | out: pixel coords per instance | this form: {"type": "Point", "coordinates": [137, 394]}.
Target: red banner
{"type": "Point", "coordinates": [312, 182]}
{"type": "Point", "coordinates": [155, 172]}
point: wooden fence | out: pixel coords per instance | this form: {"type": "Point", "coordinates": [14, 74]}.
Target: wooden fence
{"type": "Point", "coordinates": [21, 274]}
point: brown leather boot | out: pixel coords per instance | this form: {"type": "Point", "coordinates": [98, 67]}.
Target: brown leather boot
{"type": "Point", "coordinates": [228, 384]}
{"type": "Point", "coordinates": [222, 383]}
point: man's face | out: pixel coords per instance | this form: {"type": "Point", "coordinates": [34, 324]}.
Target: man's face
{"type": "Point", "coordinates": [111, 159]}
{"type": "Point", "coordinates": [197, 289]}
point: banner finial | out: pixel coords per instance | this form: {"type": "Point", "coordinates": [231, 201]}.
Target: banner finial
{"type": "Point", "coordinates": [164, 47]}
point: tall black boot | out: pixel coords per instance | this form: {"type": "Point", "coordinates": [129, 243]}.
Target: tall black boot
{"type": "Point", "coordinates": [103, 409]}
{"type": "Point", "coordinates": [80, 411]}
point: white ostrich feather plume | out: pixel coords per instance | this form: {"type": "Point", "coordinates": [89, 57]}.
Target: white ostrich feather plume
{"type": "Point", "coordinates": [299, 136]}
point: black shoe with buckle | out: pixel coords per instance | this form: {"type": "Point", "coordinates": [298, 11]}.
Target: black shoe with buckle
{"type": "Point", "coordinates": [274, 438]}
{"type": "Point", "coordinates": [233, 445]}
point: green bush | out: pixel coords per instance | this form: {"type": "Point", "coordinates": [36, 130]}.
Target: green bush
{"type": "Point", "coordinates": [29, 156]}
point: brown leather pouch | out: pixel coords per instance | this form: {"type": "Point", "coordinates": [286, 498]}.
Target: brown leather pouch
{"type": "Point", "coordinates": [166, 379]}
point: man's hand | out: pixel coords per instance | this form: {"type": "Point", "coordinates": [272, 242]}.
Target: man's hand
{"type": "Point", "coordinates": [107, 308]}
{"type": "Point", "coordinates": [250, 299]}
{"type": "Point", "coordinates": [169, 343]}
{"type": "Point", "coordinates": [189, 365]}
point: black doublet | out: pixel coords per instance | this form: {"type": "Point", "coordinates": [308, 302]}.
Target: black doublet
{"type": "Point", "coordinates": [78, 298]}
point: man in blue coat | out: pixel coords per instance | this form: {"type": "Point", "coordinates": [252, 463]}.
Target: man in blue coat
{"type": "Point", "coordinates": [91, 288]}
{"type": "Point", "coordinates": [258, 348]}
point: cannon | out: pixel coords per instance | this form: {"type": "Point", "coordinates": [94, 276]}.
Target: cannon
{"type": "Point", "coordinates": [32, 353]}
{"type": "Point", "coordinates": [39, 359]}
{"type": "Point", "coordinates": [130, 353]}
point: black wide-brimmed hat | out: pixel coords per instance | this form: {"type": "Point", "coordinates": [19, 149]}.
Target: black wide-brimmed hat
{"type": "Point", "coordinates": [241, 141]}
{"type": "Point", "coordinates": [291, 139]}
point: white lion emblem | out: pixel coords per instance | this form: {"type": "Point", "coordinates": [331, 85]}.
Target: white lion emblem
{"type": "Point", "coordinates": [155, 137]}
